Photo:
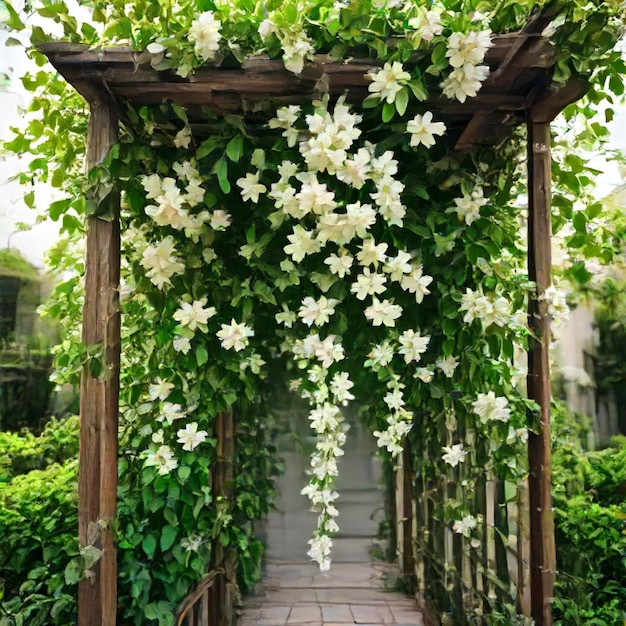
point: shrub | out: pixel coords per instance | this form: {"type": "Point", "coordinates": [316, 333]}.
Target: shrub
{"type": "Point", "coordinates": [590, 521]}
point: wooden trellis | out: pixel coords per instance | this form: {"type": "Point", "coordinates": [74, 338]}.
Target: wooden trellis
{"type": "Point", "coordinates": [519, 90]}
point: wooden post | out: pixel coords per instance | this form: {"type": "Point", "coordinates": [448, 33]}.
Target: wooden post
{"type": "Point", "coordinates": [223, 494]}
{"type": "Point", "coordinates": [99, 396]}
{"type": "Point", "coordinates": [542, 548]}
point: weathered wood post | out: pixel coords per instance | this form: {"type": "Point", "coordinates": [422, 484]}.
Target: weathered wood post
{"type": "Point", "coordinates": [542, 547]}
{"type": "Point", "coordinates": [99, 395]}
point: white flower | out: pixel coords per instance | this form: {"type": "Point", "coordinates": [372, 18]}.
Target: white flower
{"type": "Point", "coordinates": [317, 312]}
{"type": "Point", "coordinates": [320, 551]}
{"type": "Point", "coordinates": [368, 284]}
{"type": "Point", "coordinates": [489, 407]}
{"type": "Point", "coordinates": [413, 345]}
{"type": "Point", "coordinates": [161, 263]}
{"type": "Point", "coordinates": [192, 543]}
{"type": "Point", "coordinates": [397, 266]}
{"type": "Point", "coordinates": [251, 187]}
{"type": "Point", "coordinates": [468, 49]}
{"type": "Point", "coordinates": [424, 374]}
{"type": "Point", "coordinates": [163, 459]}
{"type": "Point", "coordinates": [427, 23]}
{"type": "Point", "coordinates": [355, 171]}
{"type": "Point", "coordinates": [194, 314]}
{"type": "Point", "coordinates": [286, 317]}
{"type": "Point", "coordinates": [468, 207]}
{"type": "Point", "coordinates": [205, 33]}
{"type": "Point", "coordinates": [454, 454]}
{"type": "Point", "coordinates": [170, 412]}
{"type": "Point", "coordinates": [380, 355]}
{"type": "Point", "coordinates": [161, 389]}
{"type": "Point", "coordinates": [465, 81]}
{"type": "Point", "coordinates": [302, 243]}
{"type": "Point", "coordinates": [384, 312]}
{"type": "Point", "coordinates": [387, 197]}
{"type": "Point", "coordinates": [182, 344]}
{"type": "Point", "coordinates": [190, 437]}
{"type": "Point", "coordinates": [297, 47]}
{"type": "Point", "coordinates": [220, 220]}
{"type": "Point", "coordinates": [315, 197]}
{"type": "Point", "coordinates": [152, 185]}
{"type": "Point", "coordinates": [326, 417]}
{"type": "Point", "coordinates": [558, 309]}
{"type": "Point", "coordinates": [340, 386]}
{"type": "Point", "coordinates": [423, 130]}
{"type": "Point", "coordinates": [329, 352]}
{"type": "Point", "coordinates": [266, 28]}
{"type": "Point", "coordinates": [447, 366]}
{"type": "Point", "coordinates": [235, 335]}
{"type": "Point", "coordinates": [465, 525]}
{"type": "Point", "coordinates": [183, 138]}
{"type": "Point", "coordinates": [187, 171]}
{"type": "Point", "coordinates": [339, 265]}
{"type": "Point", "coordinates": [417, 282]}
{"type": "Point", "coordinates": [286, 117]}
{"type": "Point", "coordinates": [386, 82]}
{"type": "Point", "coordinates": [372, 253]}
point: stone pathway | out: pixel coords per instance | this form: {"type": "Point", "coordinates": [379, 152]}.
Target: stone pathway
{"type": "Point", "coordinates": [294, 591]}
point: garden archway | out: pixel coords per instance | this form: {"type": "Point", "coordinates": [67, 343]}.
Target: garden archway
{"type": "Point", "coordinates": [519, 90]}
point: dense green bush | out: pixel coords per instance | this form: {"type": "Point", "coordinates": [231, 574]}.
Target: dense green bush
{"type": "Point", "coordinates": [590, 520]}
{"type": "Point", "coordinates": [38, 542]}
{"type": "Point", "coordinates": [22, 452]}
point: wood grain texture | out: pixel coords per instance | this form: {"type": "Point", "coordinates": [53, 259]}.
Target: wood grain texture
{"type": "Point", "coordinates": [97, 593]}
{"type": "Point", "coordinates": [542, 546]}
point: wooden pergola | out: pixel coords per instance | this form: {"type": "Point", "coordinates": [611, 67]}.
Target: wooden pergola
{"type": "Point", "coordinates": [519, 90]}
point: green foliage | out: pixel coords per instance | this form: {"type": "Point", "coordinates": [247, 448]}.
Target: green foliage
{"type": "Point", "coordinates": [38, 522]}
{"type": "Point", "coordinates": [589, 498]}
{"type": "Point", "coordinates": [23, 452]}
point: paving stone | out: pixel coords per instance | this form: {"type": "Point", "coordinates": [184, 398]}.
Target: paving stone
{"type": "Point", "coordinates": [304, 614]}
{"type": "Point", "coordinates": [337, 613]}
{"type": "Point", "coordinates": [274, 615]}
{"type": "Point", "coordinates": [372, 613]}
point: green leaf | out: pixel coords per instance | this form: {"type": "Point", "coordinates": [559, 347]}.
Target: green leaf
{"type": "Point", "coordinates": [149, 545]}
{"type": "Point", "coordinates": [13, 21]}
{"type": "Point", "coordinates": [202, 356]}
{"type": "Point", "coordinates": [234, 148]}
{"type": "Point", "coordinates": [168, 536]}
{"type": "Point", "coordinates": [221, 169]}
{"type": "Point", "coordinates": [402, 100]}
{"type": "Point", "coordinates": [389, 110]}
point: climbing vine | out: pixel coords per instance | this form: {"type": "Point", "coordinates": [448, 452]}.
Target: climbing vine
{"type": "Point", "coordinates": [347, 239]}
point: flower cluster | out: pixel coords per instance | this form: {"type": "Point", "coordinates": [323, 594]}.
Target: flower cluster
{"type": "Point", "coordinates": [179, 202]}
{"type": "Point", "coordinates": [205, 35]}
{"type": "Point", "coordinates": [325, 392]}
{"type": "Point", "coordinates": [490, 407]}
{"type": "Point", "coordinates": [190, 437]}
{"type": "Point", "coordinates": [558, 310]}
{"type": "Point", "coordinates": [399, 420]}
{"type": "Point", "coordinates": [489, 309]}
{"type": "Point", "coordinates": [466, 52]}
{"type": "Point", "coordinates": [468, 207]}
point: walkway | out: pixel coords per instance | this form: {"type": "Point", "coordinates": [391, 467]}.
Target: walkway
{"type": "Point", "coordinates": [295, 592]}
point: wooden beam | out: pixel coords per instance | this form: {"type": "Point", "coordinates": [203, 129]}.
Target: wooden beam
{"type": "Point", "coordinates": [542, 547]}
{"type": "Point", "coordinates": [99, 397]}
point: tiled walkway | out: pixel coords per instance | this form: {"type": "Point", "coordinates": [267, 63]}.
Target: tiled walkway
{"type": "Point", "coordinates": [294, 591]}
